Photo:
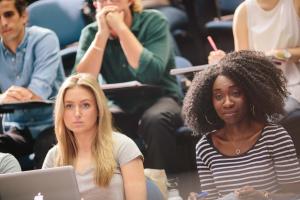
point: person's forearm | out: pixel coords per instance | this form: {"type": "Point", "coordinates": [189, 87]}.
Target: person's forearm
{"type": "Point", "coordinates": [136, 191]}
{"type": "Point", "coordinates": [92, 60]}
{"type": "Point", "coordinates": [295, 52]}
{"type": "Point", "coordinates": [131, 46]}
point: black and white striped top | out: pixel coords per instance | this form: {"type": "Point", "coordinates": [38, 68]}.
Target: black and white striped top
{"type": "Point", "coordinates": [271, 161]}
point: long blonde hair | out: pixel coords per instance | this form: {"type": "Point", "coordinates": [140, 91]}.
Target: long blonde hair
{"type": "Point", "coordinates": [102, 147]}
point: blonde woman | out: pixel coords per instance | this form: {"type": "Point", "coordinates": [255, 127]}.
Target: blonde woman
{"type": "Point", "coordinates": [108, 164]}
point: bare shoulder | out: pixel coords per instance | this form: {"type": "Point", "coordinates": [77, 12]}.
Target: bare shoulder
{"type": "Point", "coordinates": [240, 15]}
{"type": "Point", "coordinates": [297, 6]}
{"type": "Point", "coordinates": [241, 10]}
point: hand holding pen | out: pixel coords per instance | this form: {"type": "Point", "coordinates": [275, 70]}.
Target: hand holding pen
{"type": "Point", "coordinates": [216, 55]}
{"type": "Point", "coordinates": [212, 43]}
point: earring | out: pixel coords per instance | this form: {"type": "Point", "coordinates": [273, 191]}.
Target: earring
{"type": "Point", "coordinates": [252, 110]}
{"type": "Point", "coordinates": [208, 120]}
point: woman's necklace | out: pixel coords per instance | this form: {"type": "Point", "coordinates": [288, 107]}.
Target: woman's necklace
{"type": "Point", "coordinates": [238, 147]}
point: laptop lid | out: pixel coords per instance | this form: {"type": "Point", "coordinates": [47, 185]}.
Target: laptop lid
{"type": "Point", "coordinates": [52, 184]}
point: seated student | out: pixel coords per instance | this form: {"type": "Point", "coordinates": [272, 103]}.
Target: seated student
{"type": "Point", "coordinates": [8, 163]}
{"type": "Point", "coordinates": [126, 44]}
{"type": "Point", "coordinates": [108, 164]}
{"type": "Point", "coordinates": [234, 106]}
{"type": "Point", "coordinates": [31, 69]}
{"type": "Point", "coordinates": [271, 26]}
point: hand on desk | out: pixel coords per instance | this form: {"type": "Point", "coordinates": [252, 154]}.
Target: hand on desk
{"type": "Point", "coordinates": [17, 94]}
{"type": "Point", "coordinates": [249, 192]}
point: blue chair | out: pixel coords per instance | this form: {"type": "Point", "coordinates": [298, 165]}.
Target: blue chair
{"type": "Point", "coordinates": [177, 18]}
{"type": "Point", "coordinates": [221, 29]}
{"type": "Point", "coordinates": [181, 62]}
{"type": "Point", "coordinates": [153, 192]}
{"type": "Point", "coordinates": [226, 7]}
{"type": "Point", "coordinates": [68, 56]}
{"type": "Point", "coordinates": [63, 17]}
{"type": "Point", "coordinates": [185, 140]}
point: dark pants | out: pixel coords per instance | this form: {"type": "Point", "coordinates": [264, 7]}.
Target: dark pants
{"type": "Point", "coordinates": [156, 126]}
{"type": "Point", "coordinates": [20, 143]}
{"type": "Point", "coordinates": [17, 142]}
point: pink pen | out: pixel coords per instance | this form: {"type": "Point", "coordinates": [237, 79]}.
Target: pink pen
{"type": "Point", "coordinates": [212, 43]}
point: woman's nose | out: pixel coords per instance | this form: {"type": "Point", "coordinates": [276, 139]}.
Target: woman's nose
{"type": "Point", "coordinates": [228, 102]}
{"type": "Point", "coordinates": [77, 111]}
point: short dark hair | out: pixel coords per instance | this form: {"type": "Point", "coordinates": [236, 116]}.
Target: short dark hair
{"type": "Point", "coordinates": [263, 84]}
{"type": "Point", "coordinates": [20, 5]}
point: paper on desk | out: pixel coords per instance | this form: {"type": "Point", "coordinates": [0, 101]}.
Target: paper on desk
{"type": "Point", "coordinates": [120, 85]}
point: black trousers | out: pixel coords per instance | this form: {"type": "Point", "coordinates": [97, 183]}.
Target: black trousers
{"type": "Point", "coordinates": [156, 127]}
{"type": "Point", "coordinates": [20, 143]}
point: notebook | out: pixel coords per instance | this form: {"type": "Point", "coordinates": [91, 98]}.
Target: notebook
{"type": "Point", "coordinates": [44, 184]}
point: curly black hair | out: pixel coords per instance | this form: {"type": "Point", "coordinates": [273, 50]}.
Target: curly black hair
{"type": "Point", "coordinates": [263, 84]}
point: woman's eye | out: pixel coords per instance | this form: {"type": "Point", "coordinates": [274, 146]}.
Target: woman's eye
{"type": "Point", "coordinates": [218, 97]}
{"type": "Point", "coordinates": [86, 105]}
{"type": "Point", "coordinates": [236, 93]}
{"type": "Point", "coordinates": [68, 106]}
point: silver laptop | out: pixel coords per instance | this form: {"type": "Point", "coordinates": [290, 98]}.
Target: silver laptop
{"type": "Point", "coordinates": [44, 184]}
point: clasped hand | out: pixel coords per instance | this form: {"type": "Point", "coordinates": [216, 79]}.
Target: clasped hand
{"type": "Point", "coordinates": [110, 19]}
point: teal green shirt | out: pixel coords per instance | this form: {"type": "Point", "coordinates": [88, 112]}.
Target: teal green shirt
{"type": "Point", "coordinates": [156, 60]}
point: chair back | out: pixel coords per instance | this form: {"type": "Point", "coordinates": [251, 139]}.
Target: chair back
{"type": "Point", "coordinates": [68, 56]}
{"type": "Point", "coordinates": [153, 192]}
{"type": "Point", "coordinates": [64, 17]}
{"type": "Point", "coordinates": [228, 6]}
{"type": "Point", "coordinates": [182, 62]}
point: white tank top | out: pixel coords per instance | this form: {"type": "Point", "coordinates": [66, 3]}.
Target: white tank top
{"type": "Point", "coordinates": [278, 28]}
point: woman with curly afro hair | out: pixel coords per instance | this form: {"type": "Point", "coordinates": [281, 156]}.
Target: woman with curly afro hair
{"type": "Point", "coordinates": [234, 106]}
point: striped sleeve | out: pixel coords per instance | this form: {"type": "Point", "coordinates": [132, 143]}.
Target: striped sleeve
{"type": "Point", "coordinates": [285, 159]}
{"type": "Point", "coordinates": [205, 175]}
